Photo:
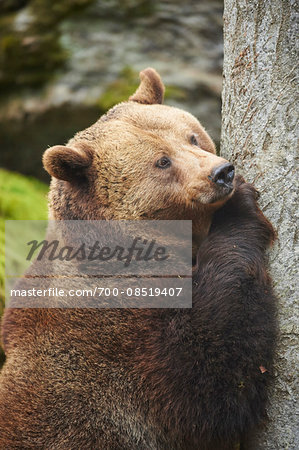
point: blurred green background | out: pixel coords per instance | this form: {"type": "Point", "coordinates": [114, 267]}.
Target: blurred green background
{"type": "Point", "coordinates": [63, 63]}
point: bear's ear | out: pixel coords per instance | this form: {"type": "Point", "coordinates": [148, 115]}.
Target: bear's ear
{"type": "Point", "coordinates": [68, 164]}
{"type": "Point", "coordinates": [151, 89]}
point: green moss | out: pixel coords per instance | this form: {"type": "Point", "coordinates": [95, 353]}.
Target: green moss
{"type": "Point", "coordinates": [6, 22]}
{"type": "Point", "coordinates": [9, 42]}
{"type": "Point", "coordinates": [51, 12]}
{"type": "Point", "coordinates": [31, 57]}
{"type": "Point", "coordinates": [21, 198]}
{"type": "Point", "coordinates": [119, 90]}
{"type": "Point", "coordinates": [125, 85]}
{"type": "Point", "coordinates": [175, 93]}
{"type": "Point", "coordinates": [29, 60]}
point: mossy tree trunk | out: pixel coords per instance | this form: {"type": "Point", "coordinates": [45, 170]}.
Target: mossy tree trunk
{"type": "Point", "coordinates": [258, 135]}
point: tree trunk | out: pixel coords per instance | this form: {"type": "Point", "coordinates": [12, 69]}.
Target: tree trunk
{"type": "Point", "coordinates": [258, 135]}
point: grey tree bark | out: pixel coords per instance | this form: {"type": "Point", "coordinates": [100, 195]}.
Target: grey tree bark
{"type": "Point", "coordinates": [259, 135]}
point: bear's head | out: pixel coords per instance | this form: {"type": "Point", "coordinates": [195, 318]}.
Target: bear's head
{"type": "Point", "coordinates": [141, 160]}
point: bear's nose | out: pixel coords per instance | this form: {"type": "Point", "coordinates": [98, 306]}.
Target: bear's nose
{"type": "Point", "coordinates": [223, 175]}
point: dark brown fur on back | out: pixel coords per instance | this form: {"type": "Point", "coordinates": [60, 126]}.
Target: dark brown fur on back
{"type": "Point", "coordinates": [151, 379]}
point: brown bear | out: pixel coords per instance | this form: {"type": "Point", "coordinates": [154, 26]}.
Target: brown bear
{"type": "Point", "coordinates": [148, 378]}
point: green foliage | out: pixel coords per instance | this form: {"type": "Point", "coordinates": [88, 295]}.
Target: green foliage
{"type": "Point", "coordinates": [21, 198]}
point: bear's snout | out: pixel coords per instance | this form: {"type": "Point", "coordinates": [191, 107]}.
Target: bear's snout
{"type": "Point", "coordinates": [223, 177]}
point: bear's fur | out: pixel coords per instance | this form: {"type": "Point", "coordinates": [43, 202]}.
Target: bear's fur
{"type": "Point", "coordinates": [148, 378]}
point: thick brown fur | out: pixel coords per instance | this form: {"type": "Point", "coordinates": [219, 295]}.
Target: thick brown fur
{"type": "Point", "coordinates": [147, 379]}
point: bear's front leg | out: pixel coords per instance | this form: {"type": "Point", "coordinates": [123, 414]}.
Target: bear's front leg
{"type": "Point", "coordinates": [236, 315]}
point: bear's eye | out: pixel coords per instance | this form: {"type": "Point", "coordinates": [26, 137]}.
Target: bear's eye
{"type": "Point", "coordinates": [163, 163]}
{"type": "Point", "coordinates": [194, 140]}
